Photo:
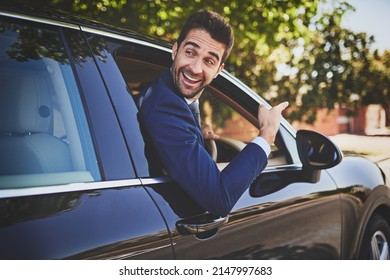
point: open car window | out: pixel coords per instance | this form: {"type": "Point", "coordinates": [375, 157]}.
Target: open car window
{"type": "Point", "coordinates": [235, 126]}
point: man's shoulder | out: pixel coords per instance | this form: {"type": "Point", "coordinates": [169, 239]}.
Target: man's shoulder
{"type": "Point", "coordinates": [159, 93]}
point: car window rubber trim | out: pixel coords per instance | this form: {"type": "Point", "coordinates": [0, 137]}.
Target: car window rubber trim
{"type": "Point", "coordinates": [73, 187]}
{"type": "Point", "coordinates": [40, 20]}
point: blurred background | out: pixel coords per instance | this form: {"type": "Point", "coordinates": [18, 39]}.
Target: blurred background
{"type": "Point", "coordinates": [329, 59]}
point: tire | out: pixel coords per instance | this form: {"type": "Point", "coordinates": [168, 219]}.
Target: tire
{"type": "Point", "coordinates": [375, 245]}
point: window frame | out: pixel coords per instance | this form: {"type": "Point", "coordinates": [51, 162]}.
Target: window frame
{"type": "Point", "coordinates": [230, 90]}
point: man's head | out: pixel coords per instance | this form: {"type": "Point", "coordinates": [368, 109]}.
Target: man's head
{"type": "Point", "coordinates": [214, 24]}
{"type": "Point", "coordinates": [200, 52]}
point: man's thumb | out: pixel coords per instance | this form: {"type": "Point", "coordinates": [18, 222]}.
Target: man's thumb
{"type": "Point", "coordinates": [282, 106]}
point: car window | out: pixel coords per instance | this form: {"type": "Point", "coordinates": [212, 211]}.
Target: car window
{"type": "Point", "coordinates": [229, 120]}
{"type": "Point", "coordinates": [44, 136]}
{"type": "Point", "coordinates": [234, 130]}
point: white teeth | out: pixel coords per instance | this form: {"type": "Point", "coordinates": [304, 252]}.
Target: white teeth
{"type": "Point", "coordinates": [189, 78]}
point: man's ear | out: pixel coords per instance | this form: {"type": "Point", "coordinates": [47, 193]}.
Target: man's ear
{"type": "Point", "coordinates": [219, 70]}
{"type": "Point", "coordinates": [174, 50]}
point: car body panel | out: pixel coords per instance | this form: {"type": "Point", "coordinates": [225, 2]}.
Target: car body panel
{"type": "Point", "coordinates": [97, 223]}
{"type": "Point", "coordinates": [302, 221]}
{"type": "Point", "coordinates": [134, 214]}
{"type": "Point", "coordinates": [361, 195]}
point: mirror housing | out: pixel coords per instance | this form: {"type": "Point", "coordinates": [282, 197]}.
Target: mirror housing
{"type": "Point", "coordinates": [316, 152]}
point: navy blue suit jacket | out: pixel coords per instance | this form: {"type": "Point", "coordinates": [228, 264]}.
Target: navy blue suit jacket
{"type": "Point", "coordinates": [178, 139]}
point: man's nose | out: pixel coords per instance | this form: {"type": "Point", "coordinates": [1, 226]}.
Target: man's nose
{"type": "Point", "coordinates": [196, 66]}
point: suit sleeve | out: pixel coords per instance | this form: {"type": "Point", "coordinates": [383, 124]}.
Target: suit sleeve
{"type": "Point", "coordinates": [171, 127]}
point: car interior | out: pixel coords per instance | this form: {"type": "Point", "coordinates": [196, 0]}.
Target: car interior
{"type": "Point", "coordinates": [40, 141]}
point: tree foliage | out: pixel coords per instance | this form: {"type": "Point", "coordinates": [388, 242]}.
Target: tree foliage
{"type": "Point", "coordinates": [291, 50]}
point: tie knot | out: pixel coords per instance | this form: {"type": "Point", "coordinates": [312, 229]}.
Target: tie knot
{"type": "Point", "coordinates": [194, 106]}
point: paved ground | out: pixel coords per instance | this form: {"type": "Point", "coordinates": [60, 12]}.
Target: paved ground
{"type": "Point", "coordinates": [377, 148]}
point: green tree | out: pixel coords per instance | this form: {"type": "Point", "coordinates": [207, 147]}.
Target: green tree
{"type": "Point", "coordinates": [284, 50]}
{"type": "Point", "coordinates": [330, 68]}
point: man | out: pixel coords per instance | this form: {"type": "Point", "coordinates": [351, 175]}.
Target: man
{"type": "Point", "coordinates": [198, 57]}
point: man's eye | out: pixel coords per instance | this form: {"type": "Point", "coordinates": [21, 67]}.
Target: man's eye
{"type": "Point", "coordinates": [210, 61]}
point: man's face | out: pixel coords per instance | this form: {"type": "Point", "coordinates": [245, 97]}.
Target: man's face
{"type": "Point", "coordinates": [196, 63]}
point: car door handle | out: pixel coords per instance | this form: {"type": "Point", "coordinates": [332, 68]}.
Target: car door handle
{"type": "Point", "coordinates": [200, 224]}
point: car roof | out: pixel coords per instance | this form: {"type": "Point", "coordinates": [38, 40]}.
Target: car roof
{"type": "Point", "coordinates": [39, 11]}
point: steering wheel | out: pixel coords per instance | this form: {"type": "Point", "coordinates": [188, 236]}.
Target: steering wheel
{"type": "Point", "coordinates": [212, 149]}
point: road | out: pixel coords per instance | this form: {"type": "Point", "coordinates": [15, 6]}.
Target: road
{"type": "Point", "coordinates": [376, 148]}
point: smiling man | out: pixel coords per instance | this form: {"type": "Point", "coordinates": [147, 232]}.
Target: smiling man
{"type": "Point", "coordinates": [198, 57]}
{"type": "Point", "coordinates": [196, 63]}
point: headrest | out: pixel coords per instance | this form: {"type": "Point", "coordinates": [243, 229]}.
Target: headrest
{"type": "Point", "coordinates": [25, 105]}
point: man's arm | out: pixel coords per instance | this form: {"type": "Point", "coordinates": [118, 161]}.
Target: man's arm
{"type": "Point", "coordinates": [171, 126]}
{"type": "Point", "coordinates": [179, 144]}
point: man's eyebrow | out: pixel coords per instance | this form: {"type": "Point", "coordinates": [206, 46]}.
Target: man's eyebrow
{"type": "Point", "coordinates": [198, 47]}
{"type": "Point", "coordinates": [192, 44]}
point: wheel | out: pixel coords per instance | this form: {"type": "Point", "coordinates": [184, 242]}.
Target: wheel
{"type": "Point", "coordinates": [375, 245]}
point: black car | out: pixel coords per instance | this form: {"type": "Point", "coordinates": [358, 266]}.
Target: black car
{"type": "Point", "coordinates": [79, 179]}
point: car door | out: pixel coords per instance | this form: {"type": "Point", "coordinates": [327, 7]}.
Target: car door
{"type": "Point", "coordinates": [68, 188]}
{"type": "Point", "coordinates": [283, 215]}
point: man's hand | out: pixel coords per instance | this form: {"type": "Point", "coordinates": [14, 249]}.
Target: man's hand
{"type": "Point", "coordinates": [208, 132]}
{"type": "Point", "coordinates": [269, 121]}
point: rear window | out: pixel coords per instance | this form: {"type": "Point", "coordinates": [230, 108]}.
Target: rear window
{"type": "Point", "coordinates": [44, 136]}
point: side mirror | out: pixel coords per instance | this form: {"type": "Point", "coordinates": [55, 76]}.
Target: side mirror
{"type": "Point", "coordinates": [316, 152]}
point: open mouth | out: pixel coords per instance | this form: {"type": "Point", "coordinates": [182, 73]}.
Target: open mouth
{"type": "Point", "coordinates": [190, 80]}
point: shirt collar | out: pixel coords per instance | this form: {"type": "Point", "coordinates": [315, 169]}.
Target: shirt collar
{"type": "Point", "coordinates": [190, 101]}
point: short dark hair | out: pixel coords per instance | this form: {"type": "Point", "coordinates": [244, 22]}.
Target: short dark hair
{"type": "Point", "coordinates": [214, 24]}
